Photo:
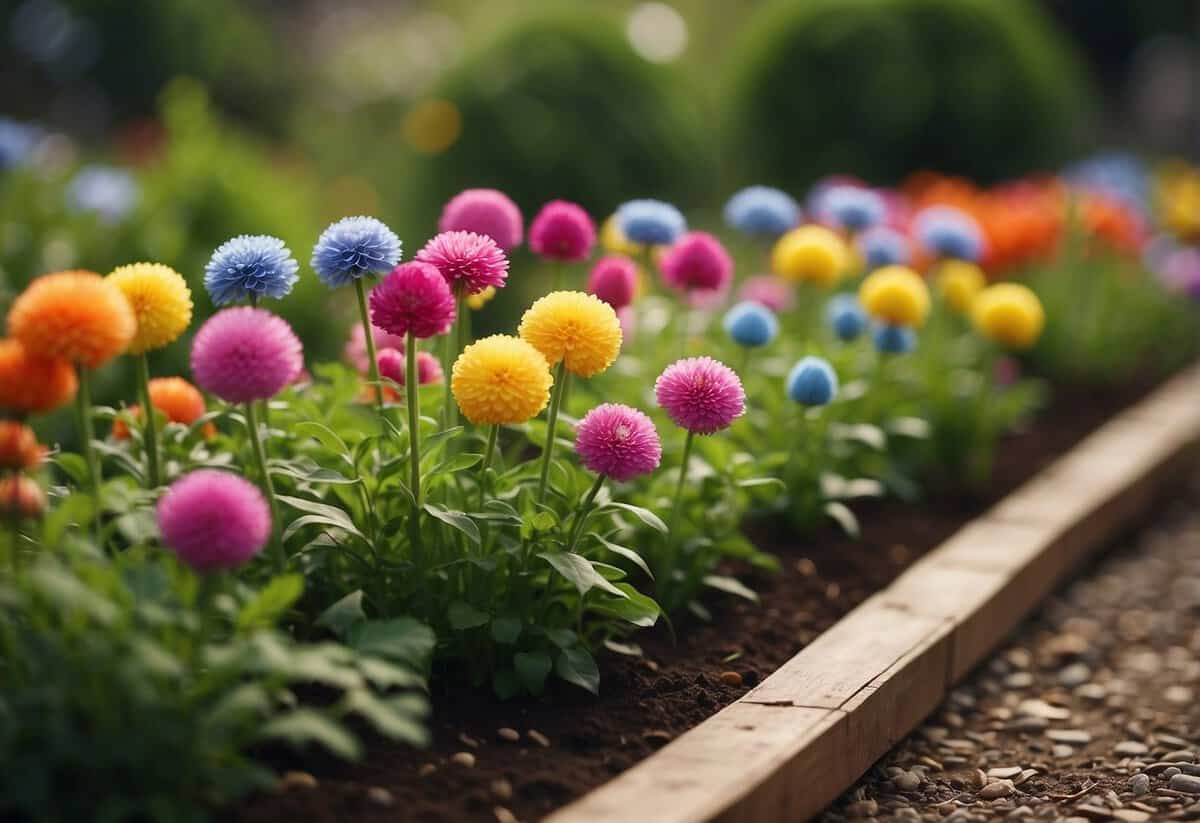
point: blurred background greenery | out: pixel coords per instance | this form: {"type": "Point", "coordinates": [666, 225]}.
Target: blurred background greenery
{"type": "Point", "coordinates": [277, 116]}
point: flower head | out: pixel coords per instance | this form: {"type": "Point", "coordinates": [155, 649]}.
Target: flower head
{"type": "Point", "coordinates": [812, 382]}
{"type": "Point", "coordinates": [501, 380]}
{"type": "Point", "coordinates": [751, 324]}
{"type": "Point", "coordinates": [958, 282]}
{"type": "Point", "coordinates": [776, 294]}
{"type": "Point", "coordinates": [618, 441]}
{"type": "Point", "coordinates": [945, 231]}
{"type": "Point", "coordinates": [614, 280]}
{"type": "Point", "coordinates": [846, 317]}
{"type": "Point", "coordinates": [579, 329]}
{"type": "Point", "coordinates": [475, 302]}
{"type": "Point", "coordinates": [21, 498]}
{"type": "Point", "coordinates": [33, 385]}
{"type": "Point", "coordinates": [392, 366]}
{"type": "Point", "coordinates": [466, 260]}
{"type": "Point", "coordinates": [762, 210]}
{"type": "Point", "coordinates": [107, 191]}
{"type": "Point", "coordinates": [19, 448]}
{"type": "Point", "coordinates": [355, 350]}
{"type": "Point", "coordinates": [698, 262]}
{"type": "Point", "coordinates": [489, 212]}
{"type": "Point", "coordinates": [891, 339]}
{"type": "Point", "coordinates": [250, 265]}
{"type": "Point", "coordinates": [161, 303]}
{"type": "Point", "coordinates": [214, 520]}
{"type": "Point", "coordinates": [415, 299]}
{"type": "Point", "coordinates": [650, 222]}
{"type": "Point", "coordinates": [883, 246]}
{"type": "Point", "coordinates": [700, 394]}
{"type": "Point", "coordinates": [353, 247]}
{"type": "Point", "coordinates": [1010, 314]}
{"type": "Point", "coordinates": [810, 254]}
{"type": "Point", "coordinates": [176, 398]}
{"type": "Point", "coordinates": [896, 295]}
{"type": "Point", "coordinates": [562, 231]}
{"type": "Point", "coordinates": [243, 354]}
{"type": "Point", "coordinates": [73, 315]}
{"type": "Point", "coordinates": [852, 208]}
{"type": "Point", "coordinates": [613, 240]}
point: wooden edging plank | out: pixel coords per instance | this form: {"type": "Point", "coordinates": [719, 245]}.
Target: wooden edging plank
{"type": "Point", "coordinates": [791, 745]}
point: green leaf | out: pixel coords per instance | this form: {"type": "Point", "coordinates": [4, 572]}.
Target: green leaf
{"type": "Point", "coordinates": [308, 726]}
{"type": "Point", "coordinates": [542, 521]}
{"type": "Point", "coordinates": [74, 466]}
{"type": "Point", "coordinates": [645, 515]}
{"type": "Point", "coordinates": [845, 518]}
{"type": "Point", "coordinates": [576, 665]}
{"type": "Point", "coordinates": [308, 471]}
{"type": "Point", "coordinates": [456, 463]}
{"type": "Point", "coordinates": [343, 614]}
{"type": "Point", "coordinates": [271, 602]}
{"type": "Point", "coordinates": [319, 520]}
{"type": "Point", "coordinates": [505, 683]}
{"type": "Point", "coordinates": [323, 434]}
{"type": "Point", "coordinates": [69, 595]}
{"type": "Point", "coordinates": [864, 433]}
{"type": "Point", "coordinates": [913, 427]}
{"type": "Point", "coordinates": [578, 570]}
{"type": "Point", "coordinates": [385, 675]}
{"type": "Point", "coordinates": [757, 482]}
{"type": "Point", "coordinates": [393, 719]}
{"type": "Point", "coordinates": [628, 553]}
{"type": "Point", "coordinates": [506, 629]}
{"type": "Point", "coordinates": [532, 669]}
{"type": "Point", "coordinates": [138, 526]}
{"type": "Point", "coordinates": [455, 519]}
{"type": "Point", "coordinates": [730, 585]}
{"type": "Point", "coordinates": [400, 639]}
{"type": "Point", "coordinates": [635, 607]}
{"type": "Point", "coordinates": [465, 616]}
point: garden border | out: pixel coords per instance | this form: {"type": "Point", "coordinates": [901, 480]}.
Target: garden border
{"type": "Point", "coordinates": [795, 742]}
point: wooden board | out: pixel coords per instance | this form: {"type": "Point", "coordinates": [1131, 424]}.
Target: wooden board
{"type": "Point", "coordinates": [792, 744]}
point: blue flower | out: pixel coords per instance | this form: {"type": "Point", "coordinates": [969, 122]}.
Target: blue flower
{"type": "Point", "coordinates": [881, 246]}
{"type": "Point", "coordinates": [846, 317]}
{"type": "Point", "coordinates": [947, 232]}
{"type": "Point", "coordinates": [751, 324]}
{"type": "Point", "coordinates": [1116, 174]}
{"type": "Point", "coordinates": [17, 142]}
{"type": "Point", "coordinates": [650, 222]}
{"type": "Point", "coordinates": [812, 382]}
{"type": "Point", "coordinates": [250, 264]}
{"type": "Point", "coordinates": [107, 191]}
{"type": "Point", "coordinates": [762, 210]}
{"type": "Point", "coordinates": [352, 247]}
{"type": "Point", "coordinates": [894, 339]}
{"type": "Point", "coordinates": [852, 207]}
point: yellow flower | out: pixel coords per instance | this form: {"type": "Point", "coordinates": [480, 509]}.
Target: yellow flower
{"type": "Point", "coordinates": [475, 302]}
{"type": "Point", "coordinates": [958, 282]}
{"type": "Point", "coordinates": [895, 295]}
{"type": "Point", "coordinates": [1010, 314]}
{"type": "Point", "coordinates": [811, 254]}
{"type": "Point", "coordinates": [579, 329]}
{"type": "Point", "coordinates": [612, 239]}
{"type": "Point", "coordinates": [161, 302]}
{"type": "Point", "coordinates": [501, 380]}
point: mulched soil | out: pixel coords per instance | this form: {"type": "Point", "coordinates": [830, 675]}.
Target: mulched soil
{"type": "Point", "coordinates": [1090, 713]}
{"type": "Point", "coordinates": [569, 741]}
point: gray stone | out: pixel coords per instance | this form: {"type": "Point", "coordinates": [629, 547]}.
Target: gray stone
{"type": "Point", "coordinates": [1139, 784]}
{"type": "Point", "coordinates": [1071, 737]}
{"type": "Point", "coordinates": [996, 789]}
{"type": "Point", "coordinates": [1074, 675]}
{"type": "Point", "coordinates": [1130, 748]}
{"type": "Point", "coordinates": [1185, 783]}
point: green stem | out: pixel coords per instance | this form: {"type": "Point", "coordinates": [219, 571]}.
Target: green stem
{"type": "Point", "coordinates": [489, 450]}
{"type": "Point", "coordinates": [581, 514]}
{"type": "Point", "coordinates": [453, 341]}
{"type": "Point", "coordinates": [268, 486]}
{"type": "Point", "coordinates": [87, 433]}
{"type": "Point", "coordinates": [412, 400]}
{"type": "Point", "coordinates": [149, 434]}
{"type": "Point", "coordinates": [369, 336]}
{"type": "Point", "coordinates": [560, 381]}
{"type": "Point", "coordinates": [675, 501]}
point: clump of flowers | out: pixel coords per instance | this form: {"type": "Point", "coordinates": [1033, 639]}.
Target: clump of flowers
{"type": "Point", "coordinates": [883, 246]}
{"type": "Point", "coordinates": [698, 264]}
{"type": "Point", "coordinates": [751, 324]}
{"type": "Point", "coordinates": [355, 350]}
{"type": "Point", "coordinates": [762, 210]}
{"type": "Point", "coordinates": [944, 231]}
{"type": "Point", "coordinates": [353, 247]}
{"type": "Point", "coordinates": [488, 212]}
{"type": "Point", "coordinates": [846, 317]}
{"type": "Point", "coordinates": [469, 262]}
{"type": "Point", "coordinates": [21, 498]}
{"type": "Point", "coordinates": [1010, 314]}
{"type": "Point", "coordinates": [414, 299]}
{"type": "Point", "coordinates": [392, 367]}
{"type": "Point", "coordinates": [501, 380]}
{"type": "Point", "coordinates": [852, 208]}
{"type": "Point", "coordinates": [30, 384]}
{"type": "Point", "coordinates": [19, 447]}
{"type": "Point", "coordinates": [176, 398]}
{"type": "Point", "coordinates": [578, 330]}
{"type": "Point", "coordinates": [614, 280]}
{"type": "Point", "coordinates": [810, 254]}
{"type": "Point", "coordinates": [812, 382]}
{"type": "Point", "coordinates": [895, 295]}
{"type": "Point", "coordinates": [650, 222]}
{"type": "Point", "coordinates": [73, 315]}
{"type": "Point", "coordinates": [700, 394]}
{"type": "Point", "coordinates": [214, 520]}
{"type": "Point", "coordinates": [958, 282]}
{"type": "Point", "coordinates": [562, 231]}
{"type": "Point", "coordinates": [776, 294]}
{"type": "Point", "coordinates": [245, 354]}
{"type": "Point", "coordinates": [250, 267]}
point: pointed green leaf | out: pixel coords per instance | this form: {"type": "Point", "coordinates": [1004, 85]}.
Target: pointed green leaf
{"type": "Point", "coordinates": [576, 665]}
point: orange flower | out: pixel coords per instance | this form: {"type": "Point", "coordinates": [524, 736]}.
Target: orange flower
{"type": "Point", "coordinates": [30, 384]}
{"type": "Point", "coordinates": [20, 497]}
{"type": "Point", "coordinates": [19, 448]}
{"type": "Point", "coordinates": [175, 397]}
{"type": "Point", "coordinates": [73, 315]}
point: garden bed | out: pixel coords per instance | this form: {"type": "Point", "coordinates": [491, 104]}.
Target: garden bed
{"type": "Point", "coordinates": [570, 742]}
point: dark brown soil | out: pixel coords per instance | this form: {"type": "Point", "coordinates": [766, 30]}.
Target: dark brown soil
{"type": "Point", "coordinates": [645, 703]}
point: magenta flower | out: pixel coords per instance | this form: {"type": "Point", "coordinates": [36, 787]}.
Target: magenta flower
{"type": "Point", "coordinates": [484, 211]}
{"type": "Point", "coordinates": [772, 292]}
{"type": "Point", "coordinates": [391, 366]}
{"type": "Point", "coordinates": [414, 298]}
{"type": "Point", "coordinates": [618, 441]}
{"type": "Point", "coordinates": [355, 350]}
{"type": "Point", "coordinates": [467, 260]}
{"type": "Point", "coordinates": [243, 354]}
{"type": "Point", "coordinates": [700, 394]}
{"type": "Point", "coordinates": [697, 262]}
{"type": "Point", "coordinates": [614, 280]}
{"type": "Point", "coordinates": [214, 519]}
{"type": "Point", "coordinates": [562, 231]}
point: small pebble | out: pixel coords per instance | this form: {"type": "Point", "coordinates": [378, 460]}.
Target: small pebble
{"type": "Point", "coordinates": [907, 781]}
{"type": "Point", "coordinates": [1168, 773]}
{"type": "Point", "coordinates": [1185, 783]}
{"type": "Point", "coordinates": [1074, 675]}
{"type": "Point", "coordinates": [468, 741]}
{"type": "Point", "coordinates": [1130, 815]}
{"type": "Point", "coordinates": [1071, 737]}
{"type": "Point", "coordinates": [1139, 784]}
{"type": "Point", "coordinates": [656, 737]}
{"type": "Point", "coordinates": [426, 770]}
{"type": "Point", "coordinates": [509, 735]}
{"type": "Point", "coordinates": [463, 759]}
{"type": "Point", "coordinates": [503, 815]}
{"type": "Point", "coordinates": [996, 789]}
{"type": "Point", "coordinates": [380, 796]}
{"type": "Point", "coordinates": [1183, 756]}
{"type": "Point", "coordinates": [1130, 748]}
{"type": "Point", "coordinates": [731, 678]}
{"type": "Point", "coordinates": [296, 780]}
{"type": "Point", "coordinates": [1004, 772]}
{"type": "Point", "coordinates": [978, 779]}
{"type": "Point", "coordinates": [539, 738]}
{"type": "Point", "coordinates": [502, 788]}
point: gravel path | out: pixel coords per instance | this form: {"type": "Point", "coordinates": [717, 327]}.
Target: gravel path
{"type": "Point", "coordinates": [1089, 713]}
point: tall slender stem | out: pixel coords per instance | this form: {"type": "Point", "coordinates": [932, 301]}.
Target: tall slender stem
{"type": "Point", "coordinates": [675, 501]}
{"type": "Point", "coordinates": [488, 451]}
{"type": "Point", "coordinates": [581, 514]}
{"type": "Point", "coordinates": [369, 337]}
{"type": "Point", "coordinates": [561, 375]}
{"type": "Point", "coordinates": [87, 433]}
{"type": "Point", "coordinates": [268, 486]}
{"type": "Point", "coordinates": [149, 432]}
{"type": "Point", "coordinates": [454, 345]}
{"type": "Point", "coordinates": [412, 399]}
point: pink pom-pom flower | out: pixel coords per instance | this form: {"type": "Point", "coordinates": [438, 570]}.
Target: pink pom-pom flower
{"type": "Point", "coordinates": [700, 394]}
{"type": "Point", "coordinates": [355, 350]}
{"type": "Point", "coordinates": [697, 262]}
{"type": "Point", "coordinates": [414, 298]}
{"type": "Point", "coordinates": [466, 260]}
{"type": "Point", "coordinates": [769, 290]}
{"type": "Point", "coordinates": [489, 212]}
{"type": "Point", "coordinates": [214, 520]}
{"type": "Point", "coordinates": [618, 441]}
{"type": "Point", "coordinates": [614, 280]}
{"type": "Point", "coordinates": [391, 366]}
{"type": "Point", "coordinates": [562, 231]}
{"type": "Point", "coordinates": [243, 354]}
